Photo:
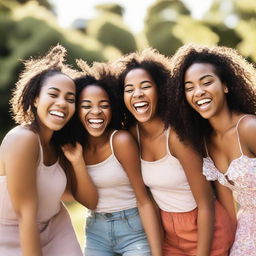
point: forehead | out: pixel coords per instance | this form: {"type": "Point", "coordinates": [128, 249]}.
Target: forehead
{"type": "Point", "coordinates": [94, 91]}
{"type": "Point", "coordinates": [137, 73]}
{"type": "Point", "coordinates": [198, 69]}
{"type": "Point", "coordinates": [60, 81]}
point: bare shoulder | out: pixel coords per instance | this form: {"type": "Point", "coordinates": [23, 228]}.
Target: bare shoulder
{"type": "Point", "coordinates": [247, 132]}
{"type": "Point", "coordinates": [124, 144]}
{"type": "Point", "coordinates": [20, 139]}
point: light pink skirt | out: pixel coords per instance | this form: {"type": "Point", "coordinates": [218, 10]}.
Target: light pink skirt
{"type": "Point", "coordinates": [57, 237]}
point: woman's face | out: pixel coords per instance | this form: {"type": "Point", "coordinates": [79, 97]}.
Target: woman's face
{"type": "Point", "coordinates": [94, 110]}
{"type": "Point", "coordinates": [55, 104]}
{"type": "Point", "coordinates": [204, 90]}
{"type": "Point", "coordinates": [140, 94]}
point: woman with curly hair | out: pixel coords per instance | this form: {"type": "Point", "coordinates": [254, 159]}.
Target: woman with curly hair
{"type": "Point", "coordinates": [215, 111]}
{"type": "Point", "coordinates": [33, 221]}
{"type": "Point", "coordinates": [110, 156]}
{"type": "Point", "coordinates": [171, 168]}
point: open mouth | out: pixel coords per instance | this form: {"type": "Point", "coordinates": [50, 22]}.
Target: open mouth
{"type": "Point", "coordinates": [141, 107]}
{"type": "Point", "coordinates": [95, 123]}
{"type": "Point", "coordinates": [57, 114]}
{"type": "Point", "coordinates": [204, 103]}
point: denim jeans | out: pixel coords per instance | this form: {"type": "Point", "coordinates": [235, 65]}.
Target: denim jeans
{"type": "Point", "coordinates": [117, 233]}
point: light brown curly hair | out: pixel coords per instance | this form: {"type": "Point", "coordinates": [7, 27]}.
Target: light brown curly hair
{"type": "Point", "coordinates": [30, 82]}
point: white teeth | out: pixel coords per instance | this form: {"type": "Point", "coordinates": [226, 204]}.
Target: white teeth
{"type": "Point", "coordinates": [95, 121]}
{"type": "Point", "coordinates": [57, 113]}
{"type": "Point", "coordinates": [140, 104]}
{"type": "Point", "coordinates": [203, 101]}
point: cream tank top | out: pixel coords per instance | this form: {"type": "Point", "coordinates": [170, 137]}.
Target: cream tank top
{"type": "Point", "coordinates": [112, 182]}
{"type": "Point", "coordinates": [51, 184]}
{"type": "Point", "coordinates": [167, 182]}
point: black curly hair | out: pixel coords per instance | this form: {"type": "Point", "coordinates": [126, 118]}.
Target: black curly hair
{"type": "Point", "coordinates": [157, 65]}
{"type": "Point", "coordinates": [98, 74]}
{"type": "Point", "coordinates": [233, 70]}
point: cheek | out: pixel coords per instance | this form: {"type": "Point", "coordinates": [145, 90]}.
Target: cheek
{"type": "Point", "coordinates": [127, 101]}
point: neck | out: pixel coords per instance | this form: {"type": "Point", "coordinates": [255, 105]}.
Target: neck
{"type": "Point", "coordinates": [96, 142]}
{"type": "Point", "coordinates": [152, 128]}
{"type": "Point", "coordinates": [223, 121]}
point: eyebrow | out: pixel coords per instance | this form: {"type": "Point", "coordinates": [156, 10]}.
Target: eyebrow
{"type": "Point", "coordinates": [142, 82]}
{"type": "Point", "coordinates": [58, 90]}
{"type": "Point", "coordinates": [200, 79]}
{"type": "Point", "coordinates": [88, 101]}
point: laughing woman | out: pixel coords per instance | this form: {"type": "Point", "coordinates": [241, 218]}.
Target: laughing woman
{"type": "Point", "coordinates": [171, 168]}
{"type": "Point", "coordinates": [110, 157]}
{"type": "Point", "coordinates": [214, 88]}
{"type": "Point", "coordinates": [33, 221]}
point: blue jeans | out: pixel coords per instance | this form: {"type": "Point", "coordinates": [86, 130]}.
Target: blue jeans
{"type": "Point", "coordinates": [117, 233]}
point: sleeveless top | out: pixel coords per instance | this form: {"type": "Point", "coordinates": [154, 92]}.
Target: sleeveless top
{"type": "Point", "coordinates": [239, 177]}
{"type": "Point", "coordinates": [51, 184]}
{"type": "Point", "coordinates": [112, 182]}
{"type": "Point", "coordinates": [167, 181]}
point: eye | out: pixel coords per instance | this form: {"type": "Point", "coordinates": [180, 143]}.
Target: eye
{"type": "Point", "coordinates": [105, 106]}
{"type": "Point", "coordinates": [207, 83]}
{"type": "Point", "coordinates": [53, 95]}
{"type": "Point", "coordinates": [128, 90]}
{"type": "Point", "coordinates": [71, 100]}
{"type": "Point", "coordinates": [85, 106]}
{"type": "Point", "coordinates": [146, 86]}
{"type": "Point", "coordinates": [188, 88]}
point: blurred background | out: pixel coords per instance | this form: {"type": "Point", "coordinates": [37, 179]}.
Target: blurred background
{"type": "Point", "coordinates": [99, 30]}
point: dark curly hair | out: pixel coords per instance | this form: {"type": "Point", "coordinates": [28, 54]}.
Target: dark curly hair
{"type": "Point", "coordinates": [233, 70]}
{"type": "Point", "coordinates": [157, 65]}
{"type": "Point", "coordinates": [98, 74]}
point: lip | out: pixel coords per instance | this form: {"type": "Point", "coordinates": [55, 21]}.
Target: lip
{"type": "Point", "coordinates": [57, 113]}
{"type": "Point", "coordinates": [204, 103]}
{"type": "Point", "coordinates": [141, 106]}
{"type": "Point", "coordinates": [95, 123]}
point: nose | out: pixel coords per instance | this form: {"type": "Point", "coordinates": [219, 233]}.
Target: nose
{"type": "Point", "coordinates": [61, 102]}
{"type": "Point", "coordinates": [96, 110]}
{"type": "Point", "coordinates": [137, 93]}
{"type": "Point", "coordinates": [199, 91]}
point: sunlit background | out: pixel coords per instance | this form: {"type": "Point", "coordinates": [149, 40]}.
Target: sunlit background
{"type": "Point", "coordinates": [101, 30]}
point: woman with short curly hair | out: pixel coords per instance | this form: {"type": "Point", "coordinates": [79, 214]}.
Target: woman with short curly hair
{"type": "Point", "coordinates": [214, 96]}
{"type": "Point", "coordinates": [33, 221]}
{"type": "Point", "coordinates": [170, 168]}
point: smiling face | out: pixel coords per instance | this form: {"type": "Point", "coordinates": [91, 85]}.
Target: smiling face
{"type": "Point", "coordinates": [94, 110]}
{"type": "Point", "coordinates": [140, 94]}
{"type": "Point", "coordinates": [204, 90]}
{"type": "Point", "coordinates": [55, 103]}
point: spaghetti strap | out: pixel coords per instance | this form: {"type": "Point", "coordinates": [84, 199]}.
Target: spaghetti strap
{"type": "Point", "coordinates": [167, 133]}
{"type": "Point", "coordinates": [111, 141]}
{"type": "Point", "coordinates": [41, 154]}
{"type": "Point", "coordinates": [206, 148]}
{"type": "Point", "coordinates": [237, 133]}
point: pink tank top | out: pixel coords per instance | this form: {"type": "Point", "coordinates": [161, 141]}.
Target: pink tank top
{"type": "Point", "coordinates": [167, 182]}
{"type": "Point", "coordinates": [51, 183]}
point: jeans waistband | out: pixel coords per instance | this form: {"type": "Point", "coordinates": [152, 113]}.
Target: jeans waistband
{"type": "Point", "coordinates": [124, 214]}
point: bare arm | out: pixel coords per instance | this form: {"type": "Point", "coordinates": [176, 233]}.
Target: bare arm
{"type": "Point", "coordinates": [123, 143]}
{"type": "Point", "coordinates": [201, 189]}
{"type": "Point", "coordinates": [85, 190]}
{"type": "Point", "coordinates": [225, 197]}
{"type": "Point", "coordinates": [21, 184]}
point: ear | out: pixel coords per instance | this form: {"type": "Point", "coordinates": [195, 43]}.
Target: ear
{"type": "Point", "coordinates": [36, 102]}
{"type": "Point", "coordinates": [225, 89]}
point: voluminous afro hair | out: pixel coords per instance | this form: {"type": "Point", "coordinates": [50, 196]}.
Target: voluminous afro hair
{"type": "Point", "coordinates": [28, 87]}
{"type": "Point", "coordinates": [157, 65]}
{"type": "Point", "coordinates": [99, 74]}
{"type": "Point", "coordinates": [233, 70]}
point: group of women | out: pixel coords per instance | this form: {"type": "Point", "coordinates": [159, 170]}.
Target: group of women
{"type": "Point", "coordinates": [156, 147]}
